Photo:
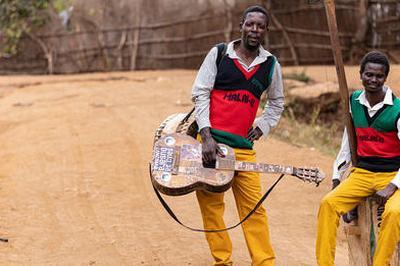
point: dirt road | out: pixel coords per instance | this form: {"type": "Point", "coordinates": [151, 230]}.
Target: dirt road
{"type": "Point", "coordinates": [74, 184]}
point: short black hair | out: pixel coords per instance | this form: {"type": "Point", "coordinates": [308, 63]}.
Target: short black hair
{"type": "Point", "coordinates": [255, 8]}
{"type": "Point", "coordinates": [375, 57]}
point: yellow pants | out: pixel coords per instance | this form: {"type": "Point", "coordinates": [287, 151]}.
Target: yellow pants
{"type": "Point", "coordinates": [246, 189]}
{"type": "Point", "coordinates": [359, 185]}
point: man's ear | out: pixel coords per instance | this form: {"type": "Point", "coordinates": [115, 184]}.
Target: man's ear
{"type": "Point", "coordinates": [240, 26]}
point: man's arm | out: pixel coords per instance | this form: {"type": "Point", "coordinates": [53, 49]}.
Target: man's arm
{"type": "Point", "coordinates": [383, 195]}
{"type": "Point", "coordinates": [275, 101]}
{"type": "Point", "coordinates": [342, 162]}
{"type": "Point", "coordinates": [201, 91]}
{"type": "Point", "coordinates": [202, 87]}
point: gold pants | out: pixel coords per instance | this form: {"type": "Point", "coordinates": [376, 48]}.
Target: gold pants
{"type": "Point", "coordinates": [246, 189]}
{"type": "Point", "coordinates": [359, 185]}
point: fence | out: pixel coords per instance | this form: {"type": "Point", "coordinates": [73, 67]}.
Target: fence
{"type": "Point", "coordinates": [298, 35]}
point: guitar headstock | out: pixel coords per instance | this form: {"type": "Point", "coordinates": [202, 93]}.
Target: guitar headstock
{"type": "Point", "coordinates": [312, 175]}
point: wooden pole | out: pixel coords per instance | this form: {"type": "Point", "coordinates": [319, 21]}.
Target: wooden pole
{"type": "Point", "coordinates": [344, 91]}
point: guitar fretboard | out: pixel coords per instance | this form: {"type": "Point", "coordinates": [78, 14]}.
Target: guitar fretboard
{"type": "Point", "coordinates": [254, 167]}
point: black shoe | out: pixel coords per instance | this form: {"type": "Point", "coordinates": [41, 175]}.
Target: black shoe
{"type": "Point", "coordinates": [350, 216]}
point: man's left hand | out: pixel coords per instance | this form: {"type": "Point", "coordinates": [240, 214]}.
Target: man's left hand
{"type": "Point", "coordinates": [254, 134]}
{"type": "Point", "coordinates": [383, 195]}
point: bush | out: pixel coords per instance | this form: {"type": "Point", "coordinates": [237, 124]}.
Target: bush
{"type": "Point", "coordinates": [18, 17]}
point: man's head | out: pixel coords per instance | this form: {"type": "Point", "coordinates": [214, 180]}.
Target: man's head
{"type": "Point", "coordinates": [375, 57]}
{"type": "Point", "coordinates": [374, 69]}
{"type": "Point", "coordinates": [253, 26]}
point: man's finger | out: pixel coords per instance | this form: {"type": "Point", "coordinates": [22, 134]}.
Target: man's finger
{"type": "Point", "coordinates": [207, 156]}
{"type": "Point", "coordinates": [250, 136]}
{"type": "Point", "coordinates": [208, 161]}
{"type": "Point", "coordinates": [220, 152]}
{"type": "Point", "coordinates": [379, 199]}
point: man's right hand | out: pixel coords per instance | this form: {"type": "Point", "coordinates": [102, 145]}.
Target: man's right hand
{"type": "Point", "coordinates": [210, 148]}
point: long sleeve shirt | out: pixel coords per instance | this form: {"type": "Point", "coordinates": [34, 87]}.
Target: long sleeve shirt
{"type": "Point", "coordinates": [343, 159]}
{"type": "Point", "coordinates": [205, 79]}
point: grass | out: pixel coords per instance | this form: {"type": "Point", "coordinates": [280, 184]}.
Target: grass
{"type": "Point", "coordinates": [323, 137]}
{"type": "Point", "coordinates": [302, 76]}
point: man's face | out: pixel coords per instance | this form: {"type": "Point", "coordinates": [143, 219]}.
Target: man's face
{"type": "Point", "coordinates": [253, 30]}
{"type": "Point", "coordinates": [373, 77]}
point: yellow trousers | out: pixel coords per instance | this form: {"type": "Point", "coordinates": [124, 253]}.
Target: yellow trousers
{"type": "Point", "coordinates": [359, 185]}
{"type": "Point", "coordinates": [246, 189]}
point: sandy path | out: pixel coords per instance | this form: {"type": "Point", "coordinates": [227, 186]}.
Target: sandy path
{"type": "Point", "coordinates": [74, 184]}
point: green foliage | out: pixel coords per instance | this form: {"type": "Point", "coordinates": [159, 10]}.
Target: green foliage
{"type": "Point", "coordinates": [18, 17]}
{"type": "Point", "coordinates": [59, 5]}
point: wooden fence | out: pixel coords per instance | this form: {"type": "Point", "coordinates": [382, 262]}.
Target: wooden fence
{"type": "Point", "coordinates": [298, 36]}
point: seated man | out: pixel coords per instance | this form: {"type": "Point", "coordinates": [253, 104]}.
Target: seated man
{"type": "Point", "coordinates": [375, 113]}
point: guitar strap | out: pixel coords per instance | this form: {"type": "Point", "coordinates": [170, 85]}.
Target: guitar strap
{"type": "Point", "coordinates": [172, 214]}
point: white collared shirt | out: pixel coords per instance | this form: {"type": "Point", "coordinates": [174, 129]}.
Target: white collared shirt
{"type": "Point", "coordinates": [343, 158]}
{"type": "Point", "coordinates": [205, 79]}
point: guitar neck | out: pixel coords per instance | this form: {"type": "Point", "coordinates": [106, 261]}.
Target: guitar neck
{"type": "Point", "coordinates": [254, 167]}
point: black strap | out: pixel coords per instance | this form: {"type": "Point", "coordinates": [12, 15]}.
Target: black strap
{"type": "Point", "coordinates": [172, 214]}
{"type": "Point", "coordinates": [187, 116]}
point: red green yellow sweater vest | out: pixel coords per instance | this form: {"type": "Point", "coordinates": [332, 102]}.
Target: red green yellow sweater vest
{"type": "Point", "coordinates": [235, 98]}
{"type": "Point", "coordinates": [378, 146]}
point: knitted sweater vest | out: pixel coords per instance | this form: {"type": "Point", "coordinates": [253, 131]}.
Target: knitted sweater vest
{"type": "Point", "coordinates": [235, 99]}
{"type": "Point", "coordinates": [378, 145]}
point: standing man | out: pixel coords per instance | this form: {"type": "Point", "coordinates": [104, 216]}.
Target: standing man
{"type": "Point", "coordinates": [227, 96]}
{"type": "Point", "coordinates": [375, 112]}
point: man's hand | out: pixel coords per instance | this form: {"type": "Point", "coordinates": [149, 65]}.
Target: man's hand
{"type": "Point", "coordinates": [335, 183]}
{"type": "Point", "coordinates": [254, 134]}
{"type": "Point", "coordinates": [383, 195]}
{"type": "Point", "coordinates": [210, 148]}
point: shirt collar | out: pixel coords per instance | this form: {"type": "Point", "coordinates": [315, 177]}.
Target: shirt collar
{"type": "Point", "coordinates": [262, 53]}
{"type": "Point", "coordinates": [388, 100]}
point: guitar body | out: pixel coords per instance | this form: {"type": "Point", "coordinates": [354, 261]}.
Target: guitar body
{"type": "Point", "coordinates": [177, 169]}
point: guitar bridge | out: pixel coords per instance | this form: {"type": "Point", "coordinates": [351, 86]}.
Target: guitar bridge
{"type": "Point", "coordinates": [176, 159]}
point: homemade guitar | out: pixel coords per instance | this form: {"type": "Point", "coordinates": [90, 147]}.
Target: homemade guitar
{"type": "Point", "coordinates": [177, 169]}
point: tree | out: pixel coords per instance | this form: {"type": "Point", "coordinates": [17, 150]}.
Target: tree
{"type": "Point", "coordinates": [19, 17]}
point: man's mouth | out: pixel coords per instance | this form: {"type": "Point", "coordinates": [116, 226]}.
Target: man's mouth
{"type": "Point", "coordinates": [254, 39]}
{"type": "Point", "coordinates": [373, 86]}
